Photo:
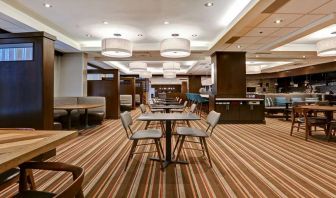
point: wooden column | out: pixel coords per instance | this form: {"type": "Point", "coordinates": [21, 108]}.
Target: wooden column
{"type": "Point", "coordinates": [27, 86]}
{"type": "Point", "coordinates": [195, 83]}
{"type": "Point", "coordinates": [108, 88]}
{"type": "Point", "coordinates": [229, 74]}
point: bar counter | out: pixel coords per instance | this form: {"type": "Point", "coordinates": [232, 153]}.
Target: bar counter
{"type": "Point", "coordinates": [239, 110]}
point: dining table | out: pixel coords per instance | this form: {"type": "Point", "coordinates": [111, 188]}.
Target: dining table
{"type": "Point", "coordinates": [327, 110]}
{"type": "Point", "coordinates": [168, 118]}
{"type": "Point", "coordinates": [19, 146]}
{"type": "Point", "coordinates": [70, 107]}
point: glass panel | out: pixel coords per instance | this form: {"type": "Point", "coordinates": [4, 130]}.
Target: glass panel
{"type": "Point", "coordinates": [16, 52]}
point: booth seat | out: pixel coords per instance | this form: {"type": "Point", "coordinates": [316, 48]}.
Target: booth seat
{"type": "Point", "coordinates": [126, 102]}
{"type": "Point", "coordinates": [96, 115]}
{"type": "Point", "coordinates": [137, 99]}
{"type": "Point", "coordinates": [276, 103]}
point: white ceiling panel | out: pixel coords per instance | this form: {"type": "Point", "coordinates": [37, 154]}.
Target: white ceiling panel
{"type": "Point", "coordinates": [286, 19]}
{"type": "Point", "coordinates": [301, 6]}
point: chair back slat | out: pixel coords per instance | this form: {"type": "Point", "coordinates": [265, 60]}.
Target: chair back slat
{"type": "Point", "coordinates": [143, 108]}
{"type": "Point", "coordinates": [127, 121]}
{"type": "Point", "coordinates": [212, 120]}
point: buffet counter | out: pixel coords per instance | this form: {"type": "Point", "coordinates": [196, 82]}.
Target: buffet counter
{"type": "Point", "coordinates": [239, 110]}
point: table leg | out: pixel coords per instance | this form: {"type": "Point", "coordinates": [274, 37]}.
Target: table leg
{"type": "Point", "coordinates": [86, 118]}
{"type": "Point", "coordinates": [69, 118]}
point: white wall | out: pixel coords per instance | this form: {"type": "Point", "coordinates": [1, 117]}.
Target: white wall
{"type": "Point", "coordinates": [70, 75]}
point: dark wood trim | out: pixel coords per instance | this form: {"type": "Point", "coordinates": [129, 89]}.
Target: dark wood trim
{"type": "Point", "coordinates": [26, 35]}
{"type": "Point", "coordinates": [275, 6]}
{"type": "Point", "coordinates": [314, 69]}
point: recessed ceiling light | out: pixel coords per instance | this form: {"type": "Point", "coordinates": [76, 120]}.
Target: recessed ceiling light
{"type": "Point", "coordinates": [105, 22]}
{"type": "Point", "coordinates": [303, 56]}
{"type": "Point", "coordinates": [209, 4]}
{"type": "Point", "coordinates": [278, 21]}
{"type": "Point", "coordinates": [194, 35]}
{"type": "Point", "coordinates": [257, 56]}
{"type": "Point", "coordinates": [116, 34]}
{"type": "Point", "coordinates": [47, 5]}
{"type": "Point", "coordinates": [140, 35]}
{"type": "Point", "coordinates": [238, 46]}
{"type": "Point", "coordinates": [166, 22]}
{"type": "Point", "coordinates": [175, 35]}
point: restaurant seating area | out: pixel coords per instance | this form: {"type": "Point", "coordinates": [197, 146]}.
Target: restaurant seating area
{"type": "Point", "coordinates": [168, 98]}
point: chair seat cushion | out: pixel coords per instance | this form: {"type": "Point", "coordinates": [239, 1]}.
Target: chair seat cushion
{"type": "Point", "coordinates": [187, 131]}
{"type": "Point", "coordinates": [147, 134]}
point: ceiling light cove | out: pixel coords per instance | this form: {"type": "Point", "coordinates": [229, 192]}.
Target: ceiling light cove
{"type": "Point", "coordinates": [47, 5]}
{"type": "Point", "coordinates": [233, 10]}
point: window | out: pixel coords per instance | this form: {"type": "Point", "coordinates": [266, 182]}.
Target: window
{"type": "Point", "coordinates": [16, 52]}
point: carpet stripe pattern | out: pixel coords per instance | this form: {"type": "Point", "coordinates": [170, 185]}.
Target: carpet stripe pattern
{"type": "Point", "coordinates": [249, 160]}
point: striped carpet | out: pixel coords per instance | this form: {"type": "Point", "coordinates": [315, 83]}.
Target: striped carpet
{"type": "Point", "coordinates": [248, 161]}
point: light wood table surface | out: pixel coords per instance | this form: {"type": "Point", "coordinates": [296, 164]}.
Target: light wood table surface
{"type": "Point", "coordinates": [19, 146]}
{"type": "Point", "coordinates": [70, 107]}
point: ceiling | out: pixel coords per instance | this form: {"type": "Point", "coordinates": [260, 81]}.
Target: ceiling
{"type": "Point", "coordinates": [230, 25]}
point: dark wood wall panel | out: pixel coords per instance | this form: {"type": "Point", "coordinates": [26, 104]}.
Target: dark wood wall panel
{"type": "Point", "coordinates": [26, 87]}
{"type": "Point", "coordinates": [230, 74]}
{"type": "Point", "coordinates": [110, 90]}
{"type": "Point", "coordinates": [195, 83]}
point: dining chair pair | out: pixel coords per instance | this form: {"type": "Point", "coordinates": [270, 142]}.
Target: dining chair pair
{"type": "Point", "coordinates": [301, 118]}
{"type": "Point", "coordinates": [185, 132]}
{"type": "Point", "coordinates": [24, 175]}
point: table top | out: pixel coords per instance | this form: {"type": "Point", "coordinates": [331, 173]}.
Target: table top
{"type": "Point", "coordinates": [18, 146]}
{"type": "Point", "coordinates": [168, 116]}
{"type": "Point", "coordinates": [166, 106]}
{"type": "Point", "coordinates": [319, 108]}
{"type": "Point", "coordinates": [77, 106]}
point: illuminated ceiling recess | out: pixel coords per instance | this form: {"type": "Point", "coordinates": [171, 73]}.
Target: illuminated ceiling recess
{"type": "Point", "coordinates": [138, 67]}
{"type": "Point", "coordinates": [175, 48]}
{"type": "Point", "coordinates": [116, 47]}
{"type": "Point", "coordinates": [169, 75]}
{"type": "Point", "coordinates": [145, 74]}
{"type": "Point", "coordinates": [326, 47]}
{"type": "Point", "coordinates": [171, 67]}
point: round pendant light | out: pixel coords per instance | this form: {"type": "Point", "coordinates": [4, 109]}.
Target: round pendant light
{"type": "Point", "coordinates": [326, 47]}
{"type": "Point", "coordinates": [175, 48]}
{"type": "Point", "coordinates": [138, 67]}
{"type": "Point", "coordinates": [169, 75]}
{"type": "Point", "coordinates": [171, 67]}
{"type": "Point", "coordinates": [145, 74]}
{"type": "Point", "coordinates": [116, 47]}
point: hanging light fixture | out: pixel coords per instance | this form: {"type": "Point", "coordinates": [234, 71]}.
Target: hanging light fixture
{"type": "Point", "coordinates": [169, 75]}
{"type": "Point", "coordinates": [175, 48]}
{"type": "Point", "coordinates": [138, 67]}
{"type": "Point", "coordinates": [145, 74]}
{"type": "Point", "coordinates": [326, 47]}
{"type": "Point", "coordinates": [116, 47]}
{"type": "Point", "coordinates": [171, 66]}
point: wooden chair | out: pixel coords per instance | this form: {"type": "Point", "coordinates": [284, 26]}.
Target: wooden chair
{"type": "Point", "coordinates": [183, 132]}
{"type": "Point", "coordinates": [300, 116]}
{"type": "Point", "coordinates": [12, 175]}
{"type": "Point", "coordinates": [192, 109]}
{"type": "Point", "coordinates": [332, 129]}
{"type": "Point", "coordinates": [73, 190]}
{"type": "Point", "coordinates": [151, 134]}
{"type": "Point", "coordinates": [180, 110]}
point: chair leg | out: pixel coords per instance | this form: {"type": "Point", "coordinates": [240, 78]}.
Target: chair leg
{"type": "Point", "coordinates": [299, 125]}
{"type": "Point", "coordinates": [292, 127]}
{"type": "Point", "coordinates": [180, 148]}
{"type": "Point", "coordinates": [147, 124]}
{"type": "Point", "coordinates": [135, 142]}
{"type": "Point", "coordinates": [178, 140]}
{"type": "Point", "coordinates": [202, 145]}
{"type": "Point", "coordinates": [207, 151]}
{"type": "Point", "coordinates": [188, 123]}
{"type": "Point", "coordinates": [31, 180]}
{"type": "Point", "coordinates": [158, 151]}
{"type": "Point", "coordinates": [163, 128]}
